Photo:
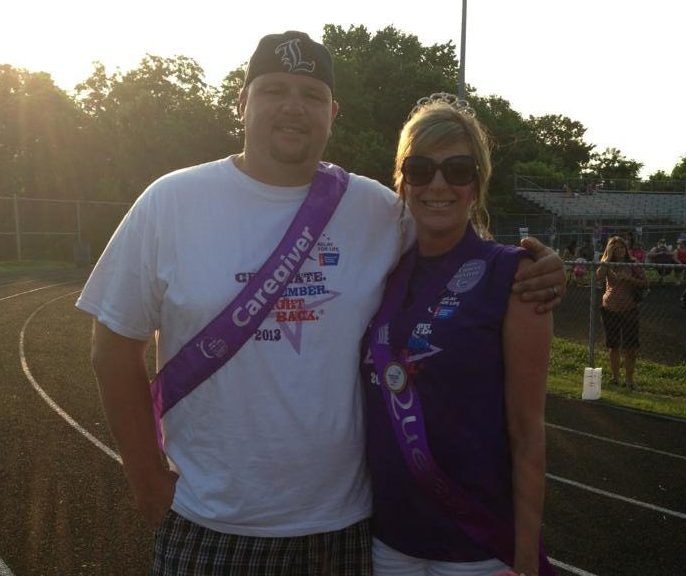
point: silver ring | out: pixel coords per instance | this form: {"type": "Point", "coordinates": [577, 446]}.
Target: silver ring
{"type": "Point", "coordinates": [554, 289]}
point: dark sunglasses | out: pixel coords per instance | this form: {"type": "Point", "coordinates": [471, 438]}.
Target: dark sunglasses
{"type": "Point", "coordinates": [457, 170]}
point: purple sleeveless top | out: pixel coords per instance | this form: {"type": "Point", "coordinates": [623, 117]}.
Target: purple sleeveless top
{"type": "Point", "coordinates": [457, 366]}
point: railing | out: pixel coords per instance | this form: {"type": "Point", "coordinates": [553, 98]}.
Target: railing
{"type": "Point", "coordinates": [585, 185]}
{"type": "Point", "coordinates": [662, 312]}
{"type": "Point", "coordinates": [40, 228]}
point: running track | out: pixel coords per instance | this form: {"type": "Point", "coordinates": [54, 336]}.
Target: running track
{"type": "Point", "coordinates": [616, 500]}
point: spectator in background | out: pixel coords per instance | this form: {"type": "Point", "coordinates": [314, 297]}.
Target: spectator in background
{"type": "Point", "coordinates": [586, 251]}
{"type": "Point", "coordinates": [600, 236]}
{"type": "Point", "coordinates": [570, 251]}
{"type": "Point", "coordinates": [604, 235]}
{"type": "Point", "coordinates": [579, 271]}
{"type": "Point", "coordinates": [630, 240]}
{"type": "Point", "coordinates": [679, 258]}
{"type": "Point", "coordinates": [637, 252]}
{"type": "Point", "coordinates": [680, 273]}
{"type": "Point", "coordinates": [619, 307]}
{"type": "Point", "coordinates": [661, 254]}
{"type": "Point", "coordinates": [568, 255]}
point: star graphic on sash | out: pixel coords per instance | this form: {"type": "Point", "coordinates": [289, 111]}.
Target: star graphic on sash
{"type": "Point", "coordinates": [294, 334]}
{"type": "Point", "coordinates": [424, 353]}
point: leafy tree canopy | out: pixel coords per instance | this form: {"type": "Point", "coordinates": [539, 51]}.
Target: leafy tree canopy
{"type": "Point", "coordinates": [379, 78]}
{"type": "Point", "coordinates": [156, 118]}
{"type": "Point", "coordinates": [117, 132]}
{"type": "Point", "coordinates": [611, 164]}
{"type": "Point", "coordinates": [40, 135]}
{"type": "Point", "coordinates": [679, 171]}
{"type": "Point", "coordinates": [562, 141]}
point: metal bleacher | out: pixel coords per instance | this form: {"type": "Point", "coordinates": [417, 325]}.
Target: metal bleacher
{"type": "Point", "coordinates": [665, 208]}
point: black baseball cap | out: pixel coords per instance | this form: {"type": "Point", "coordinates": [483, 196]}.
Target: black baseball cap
{"type": "Point", "coordinates": [292, 52]}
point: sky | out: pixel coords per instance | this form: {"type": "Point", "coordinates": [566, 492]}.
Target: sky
{"type": "Point", "coordinates": [616, 66]}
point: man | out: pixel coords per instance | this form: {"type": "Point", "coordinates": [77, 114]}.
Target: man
{"type": "Point", "coordinates": [266, 471]}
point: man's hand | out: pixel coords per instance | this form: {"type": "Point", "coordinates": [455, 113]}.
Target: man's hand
{"type": "Point", "coordinates": [544, 281]}
{"type": "Point", "coordinates": [153, 494]}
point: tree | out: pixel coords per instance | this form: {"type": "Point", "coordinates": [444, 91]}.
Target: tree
{"type": "Point", "coordinates": [679, 171]}
{"type": "Point", "coordinates": [118, 132]}
{"type": "Point", "coordinates": [612, 165]}
{"type": "Point", "coordinates": [659, 181]}
{"type": "Point", "coordinates": [562, 142]}
{"type": "Point", "coordinates": [513, 143]}
{"type": "Point", "coordinates": [40, 136]}
{"type": "Point", "coordinates": [156, 118]}
{"type": "Point", "coordinates": [379, 78]}
{"type": "Point", "coordinates": [542, 171]}
{"type": "Point", "coordinates": [670, 182]}
{"type": "Point", "coordinates": [227, 104]}
{"type": "Point", "coordinates": [92, 94]}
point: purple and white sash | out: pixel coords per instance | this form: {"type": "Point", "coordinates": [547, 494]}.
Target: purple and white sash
{"type": "Point", "coordinates": [224, 336]}
{"type": "Point", "coordinates": [405, 411]}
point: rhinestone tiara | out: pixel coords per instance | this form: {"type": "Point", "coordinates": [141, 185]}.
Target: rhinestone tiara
{"type": "Point", "coordinates": [447, 98]}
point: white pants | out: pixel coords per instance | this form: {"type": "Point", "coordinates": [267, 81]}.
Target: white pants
{"type": "Point", "coordinates": [390, 562]}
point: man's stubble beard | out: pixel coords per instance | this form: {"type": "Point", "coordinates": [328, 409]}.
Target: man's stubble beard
{"type": "Point", "coordinates": [298, 156]}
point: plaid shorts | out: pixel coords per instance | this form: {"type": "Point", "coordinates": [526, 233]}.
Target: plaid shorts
{"type": "Point", "coordinates": [185, 548]}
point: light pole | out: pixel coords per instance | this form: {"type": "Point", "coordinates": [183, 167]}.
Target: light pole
{"type": "Point", "coordinates": [461, 87]}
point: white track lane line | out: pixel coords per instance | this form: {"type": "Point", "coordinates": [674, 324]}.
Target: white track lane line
{"type": "Point", "coordinates": [618, 442]}
{"type": "Point", "coordinates": [568, 568]}
{"type": "Point", "coordinates": [34, 290]}
{"type": "Point", "coordinates": [607, 494]}
{"type": "Point", "coordinates": [50, 402]}
{"type": "Point", "coordinates": [115, 456]}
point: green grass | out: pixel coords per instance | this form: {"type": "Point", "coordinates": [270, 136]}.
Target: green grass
{"type": "Point", "coordinates": [660, 389]}
{"type": "Point", "coordinates": [32, 265]}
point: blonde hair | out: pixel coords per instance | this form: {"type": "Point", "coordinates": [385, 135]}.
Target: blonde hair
{"type": "Point", "coordinates": [439, 124]}
{"type": "Point", "coordinates": [610, 249]}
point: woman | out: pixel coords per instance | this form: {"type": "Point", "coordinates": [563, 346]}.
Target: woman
{"type": "Point", "coordinates": [619, 307]}
{"type": "Point", "coordinates": [450, 335]}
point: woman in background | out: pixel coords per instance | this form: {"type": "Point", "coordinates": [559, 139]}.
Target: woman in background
{"type": "Point", "coordinates": [619, 307]}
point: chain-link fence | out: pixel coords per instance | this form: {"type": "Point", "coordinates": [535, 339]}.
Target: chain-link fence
{"type": "Point", "coordinates": [661, 313]}
{"type": "Point", "coordinates": [46, 229]}
{"type": "Point", "coordinates": [33, 229]}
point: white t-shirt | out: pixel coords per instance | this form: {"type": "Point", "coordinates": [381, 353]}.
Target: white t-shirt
{"type": "Point", "coordinates": [273, 443]}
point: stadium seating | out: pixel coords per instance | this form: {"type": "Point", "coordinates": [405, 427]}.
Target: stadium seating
{"type": "Point", "coordinates": [646, 206]}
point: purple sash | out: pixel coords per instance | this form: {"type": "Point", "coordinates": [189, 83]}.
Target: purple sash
{"type": "Point", "coordinates": [405, 411]}
{"type": "Point", "coordinates": [224, 336]}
